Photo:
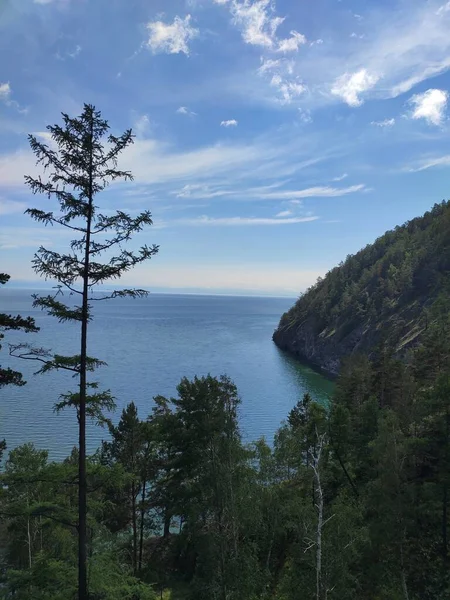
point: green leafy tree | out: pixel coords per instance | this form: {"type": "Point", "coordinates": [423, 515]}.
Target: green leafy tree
{"type": "Point", "coordinates": [80, 163]}
{"type": "Point", "coordinates": [131, 447]}
{"type": "Point", "coordinates": [206, 480]}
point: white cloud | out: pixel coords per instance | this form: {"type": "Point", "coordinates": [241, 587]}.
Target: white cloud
{"type": "Point", "coordinates": [142, 125]}
{"type": "Point", "coordinates": [430, 106]}
{"type": "Point", "coordinates": [184, 110]}
{"type": "Point", "coordinates": [441, 161]}
{"type": "Point", "coordinates": [313, 192]}
{"type": "Point", "coordinates": [284, 213]}
{"type": "Point", "coordinates": [171, 38]}
{"type": "Point", "coordinates": [269, 64]}
{"type": "Point", "coordinates": [401, 48]}
{"type": "Point", "coordinates": [5, 96]}
{"type": "Point", "coordinates": [256, 20]}
{"type": "Point", "coordinates": [32, 237]}
{"type": "Point", "coordinates": [293, 43]}
{"type": "Point", "coordinates": [426, 73]}
{"type": "Point", "coordinates": [229, 123]}
{"type": "Point", "coordinates": [282, 78]}
{"type": "Point", "coordinates": [5, 91]}
{"type": "Point", "coordinates": [76, 52]}
{"type": "Point", "coordinates": [244, 221]}
{"type": "Point", "coordinates": [384, 124]}
{"type": "Point", "coordinates": [152, 161]}
{"type": "Point", "coordinates": [14, 166]}
{"type": "Point", "coordinates": [443, 9]}
{"type": "Point", "coordinates": [200, 191]}
{"type": "Point", "coordinates": [288, 89]}
{"type": "Point", "coordinates": [341, 177]}
{"type": "Point", "coordinates": [350, 86]}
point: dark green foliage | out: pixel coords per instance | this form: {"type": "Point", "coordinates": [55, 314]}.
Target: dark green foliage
{"type": "Point", "coordinates": [13, 323]}
{"type": "Point", "coordinates": [79, 164]}
{"type": "Point", "coordinates": [350, 503]}
{"type": "Point", "coordinates": [381, 294]}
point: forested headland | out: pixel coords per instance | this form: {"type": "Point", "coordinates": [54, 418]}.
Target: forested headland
{"type": "Point", "coordinates": [350, 501]}
{"type": "Point", "coordinates": [382, 294]}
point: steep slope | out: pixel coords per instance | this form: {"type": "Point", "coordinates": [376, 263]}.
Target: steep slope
{"type": "Point", "coordinates": [382, 292]}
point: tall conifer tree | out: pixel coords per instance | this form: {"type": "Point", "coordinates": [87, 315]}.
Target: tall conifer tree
{"type": "Point", "coordinates": [80, 162]}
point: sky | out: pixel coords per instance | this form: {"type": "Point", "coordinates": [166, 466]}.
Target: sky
{"type": "Point", "coordinates": [273, 138]}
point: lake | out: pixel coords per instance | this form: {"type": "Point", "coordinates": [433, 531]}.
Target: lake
{"type": "Point", "coordinates": [149, 345]}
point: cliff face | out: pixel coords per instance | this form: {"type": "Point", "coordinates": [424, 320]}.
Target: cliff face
{"type": "Point", "coordinates": [381, 294]}
{"type": "Point", "coordinates": [322, 351]}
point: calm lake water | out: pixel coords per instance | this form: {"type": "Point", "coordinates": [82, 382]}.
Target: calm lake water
{"type": "Point", "coordinates": [149, 345]}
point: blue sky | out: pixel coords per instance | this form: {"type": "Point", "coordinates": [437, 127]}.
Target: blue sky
{"type": "Point", "coordinates": [272, 138]}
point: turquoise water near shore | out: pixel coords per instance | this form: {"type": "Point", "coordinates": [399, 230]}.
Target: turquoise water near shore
{"type": "Point", "coordinates": [149, 344]}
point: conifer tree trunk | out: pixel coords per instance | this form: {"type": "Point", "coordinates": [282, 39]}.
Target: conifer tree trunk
{"type": "Point", "coordinates": [82, 488]}
{"type": "Point", "coordinates": [83, 165]}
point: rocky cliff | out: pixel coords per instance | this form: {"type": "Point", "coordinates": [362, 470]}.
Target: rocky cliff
{"type": "Point", "coordinates": [382, 294]}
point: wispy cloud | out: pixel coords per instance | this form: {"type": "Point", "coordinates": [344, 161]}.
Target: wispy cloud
{"type": "Point", "coordinates": [142, 126]}
{"type": "Point", "coordinates": [284, 213]}
{"type": "Point", "coordinates": [243, 221]}
{"type": "Point", "coordinates": [272, 192]}
{"type": "Point", "coordinates": [6, 97]}
{"type": "Point", "coordinates": [258, 24]}
{"type": "Point", "coordinates": [350, 86]}
{"type": "Point", "coordinates": [229, 123]}
{"type": "Point", "coordinates": [397, 49]}
{"type": "Point", "coordinates": [313, 192]}
{"type": "Point", "coordinates": [429, 163]}
{"type": "Point", "coordinates": [5, 91]}
{"type": "Point", "coordinates": [8, 207]}
{"type": "Point", "coordinates": [340, 177]}
{"type": "Point", "coordinates": [443, 9]}
{"type": "Point", "coordinates": [257, 21]}
{"type": "Point", "coordinates": [384, 124]}
{"type": "Point", "coordinates": [75, 52]}
{"type": "Point", "coordinates": [272, 156]}
{"type": "Point", "coordinates": [171, 38]}
{"type": "Point", "coordinates": [430, 106]}
{"type": "Point", "coordinates": [280, 74]}
{"type": "Point", "coordinates": [14, 166]}
{"type": "Point", "coordinates": [184, 110]}
{"type": "Point", "coordinates": [32, 237]}
{"type": "Point", "coordinates": [200, 192]}
{"type": "Point", "coordinates": [293, 43]}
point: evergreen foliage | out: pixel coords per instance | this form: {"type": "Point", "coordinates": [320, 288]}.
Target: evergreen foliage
{"type": "Point", "coordinates": [350, 502]}
{"type": "Point", "coordinates": [80, 162]}
{"type": "Point", "coordinates": [383, 292]}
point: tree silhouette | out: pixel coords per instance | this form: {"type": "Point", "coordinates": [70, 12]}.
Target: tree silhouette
{"type": "Point", "coordinates": [80, 162]}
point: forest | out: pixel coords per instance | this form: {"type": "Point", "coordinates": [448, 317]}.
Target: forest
{"type": "Point", "coordinates": [348, 501]}
{"type": "Point", "coordinates": [383, 292]}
